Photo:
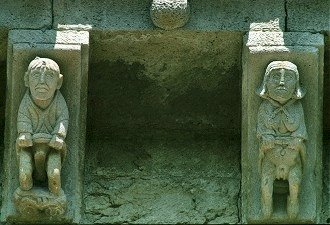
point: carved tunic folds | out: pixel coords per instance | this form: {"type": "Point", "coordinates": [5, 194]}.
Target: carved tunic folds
{"type": "Point", "coordinates": [281, 121]}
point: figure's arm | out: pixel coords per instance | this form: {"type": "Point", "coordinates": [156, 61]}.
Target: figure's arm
{"type": "Point", "coordinates": [24, 125]}
{"type": "Point", "coordinates": [62, 123]}
{"type": "Point", "coordinates": [264, 133]}
{"type": "Point", "coordinates": [301, 131]}
{"type": "Point", "coordinates": [300, 135]}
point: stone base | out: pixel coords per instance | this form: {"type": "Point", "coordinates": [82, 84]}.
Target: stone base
{"type": "Point", "coordinates": [39, 202]}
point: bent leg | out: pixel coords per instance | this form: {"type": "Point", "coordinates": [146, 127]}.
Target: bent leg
{"type": "Point", "coordinates": [54, 172]}
{"type": "Point", "coordinates": [25, 169]}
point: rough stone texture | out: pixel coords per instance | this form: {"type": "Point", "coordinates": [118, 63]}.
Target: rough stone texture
{"type": "Point", "coordinates": [26, 14]}
{"type": "Point", "coordinates": [161, 80]}
{"type": "Point", "coordinates": [104, 15]}
{"type": "Point", "coordinates": [205, 15]}
{"type": "Point", "coordinates": [170, 14]}
{"type": "Point", "coordinates": [309, 59]}
{"type": "Point", "coordinates": [70, 50]}
{"type": "Point", "coordinates": [308, 15]}
{"type": "Point", "coordinates": [169, 178]}
{"type": "Point", "coordinates": [224, 15]}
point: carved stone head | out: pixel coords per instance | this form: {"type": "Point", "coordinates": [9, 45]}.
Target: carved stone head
{"type": "Point", "coordinates": [43, 78]}
{"type": "Point", "coordinates": [281, 82]}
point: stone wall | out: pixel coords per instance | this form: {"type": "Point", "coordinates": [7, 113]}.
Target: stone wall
{"type": "Point", "coordinates": [164, 107]}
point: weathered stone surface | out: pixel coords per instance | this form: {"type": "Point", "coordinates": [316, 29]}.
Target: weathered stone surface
{"type": "Point", "coordinates": [26, 14]}
{"type": "Point", "coordinates": [104, 15]}
{"type": "Point", "coordinates": [170, 14]}
{"type": "Point", "coordinates": [308, 16]}
{"type": "Point", "coordinates": [70, 50]}
{"type": "Point", "coordinates": [309, 60]}
{"type": "Point", "coordinates": [178, 178]}
{"type": "Point", "coordinates": [241, 16]}
{"type": "Point", "coordinates": [205, 15]}
{"type": "Point", "coordinates": [161, 88]}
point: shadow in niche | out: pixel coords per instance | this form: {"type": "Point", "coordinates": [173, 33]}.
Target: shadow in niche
{"type": "Point", "coordinates": [122, 100]}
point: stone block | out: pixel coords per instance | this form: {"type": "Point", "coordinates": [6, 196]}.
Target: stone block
{"type": "Point", "coordinates": [105, 15]}
{"type": "Point", "coordinates": [70, 49]}
{"type": "Point", "coordinates": [310, 15]}
{"type": "Point", "coordinates": [241, 16]}
{"type": "Point", "coordinates": [26, 14]}
{"type": "Point", "coordinates": [306, 51]}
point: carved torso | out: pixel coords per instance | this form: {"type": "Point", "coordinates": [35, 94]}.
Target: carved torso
{"type": "Point", "coordinates": [52, 120]}
{"type": "Point", "coordinates": [281, 121]}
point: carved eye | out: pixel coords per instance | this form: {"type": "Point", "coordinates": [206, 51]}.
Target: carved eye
{"type": "Point", "coordinates": [290, 76]}
{"type": "Point", "coordinates": [49, 75]}
{"type": "Point", "coordinates": [276, 76]}
{"type": "Point", "coordinates": [36, 74]}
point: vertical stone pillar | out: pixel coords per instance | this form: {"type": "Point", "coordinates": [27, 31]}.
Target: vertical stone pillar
{"type": "Point", "coordinates": [305, 50]}
{"type": "Point", "coordinates": [70, 50]}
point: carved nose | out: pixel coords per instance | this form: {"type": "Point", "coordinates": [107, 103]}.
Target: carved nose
{"type": "Point", "coordinates": [42, 78]}
{"type": "Point", "coordinates": [282, 77]}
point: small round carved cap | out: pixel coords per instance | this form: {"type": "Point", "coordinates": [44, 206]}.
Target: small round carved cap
{"type": "Point", "coordinates": [170, 14]}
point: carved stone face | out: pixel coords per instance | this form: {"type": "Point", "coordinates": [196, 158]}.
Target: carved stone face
{"type": "Point", "coordinates": [43, 83]}
{"type": "Point", "coordinates": [281, 84]}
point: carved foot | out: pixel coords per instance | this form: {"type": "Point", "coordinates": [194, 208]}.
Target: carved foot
{"type": "Point", "coordinates": [292, 208]}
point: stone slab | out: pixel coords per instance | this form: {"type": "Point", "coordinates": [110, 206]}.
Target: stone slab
{"type": "Point", "coordinates": [306, 51]}
{"type": "Point", "coordinates": [70, 50]}
{"type": "Point", "coordinates": [26, 14]}
{"type": "Point", "coordinates": [313, 16]}
{"type": "Point", "coordinates": [205, 15]}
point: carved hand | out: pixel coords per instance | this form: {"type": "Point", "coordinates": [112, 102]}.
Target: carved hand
{"type": "Point", "coordinates": [268, 142]}
{"type": "Point", "coordinates": [56, 142]}
{"type": "Point", "coordinates": [295, 143]}
{"type": "Point", "coordinates": [24, 140]}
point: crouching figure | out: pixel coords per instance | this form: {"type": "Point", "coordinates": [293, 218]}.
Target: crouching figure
{"type": "Point", "coordinates": [42, 125]}
{"type": "Point", "coordinates": [281, 131]}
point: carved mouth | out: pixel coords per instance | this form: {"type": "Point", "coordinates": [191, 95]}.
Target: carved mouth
{"type": "Point", "coordinates": [41, 89]}
{"type": "Point", "coordinates": [281, 88]}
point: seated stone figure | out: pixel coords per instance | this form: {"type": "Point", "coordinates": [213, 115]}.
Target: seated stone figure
{"type": "Point", "coordinates": [42, 125]}
{"type": "Point", "coordinates": [281, 131]}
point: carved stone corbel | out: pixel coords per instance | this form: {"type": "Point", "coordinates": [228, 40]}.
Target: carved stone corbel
{"type": "Point", "coordinates": [170, 14]}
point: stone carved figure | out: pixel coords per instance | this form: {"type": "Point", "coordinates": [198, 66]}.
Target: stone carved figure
{"type": "Point", "coordinates": [281, 131]}
{"type": "Point", "coordinates": [42, 125]}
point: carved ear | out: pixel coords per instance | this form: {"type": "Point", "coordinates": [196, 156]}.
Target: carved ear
{"type": "Point", "coordinates": [59, 81]}
{"type": "Point", "coordinates": [26, 79]}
